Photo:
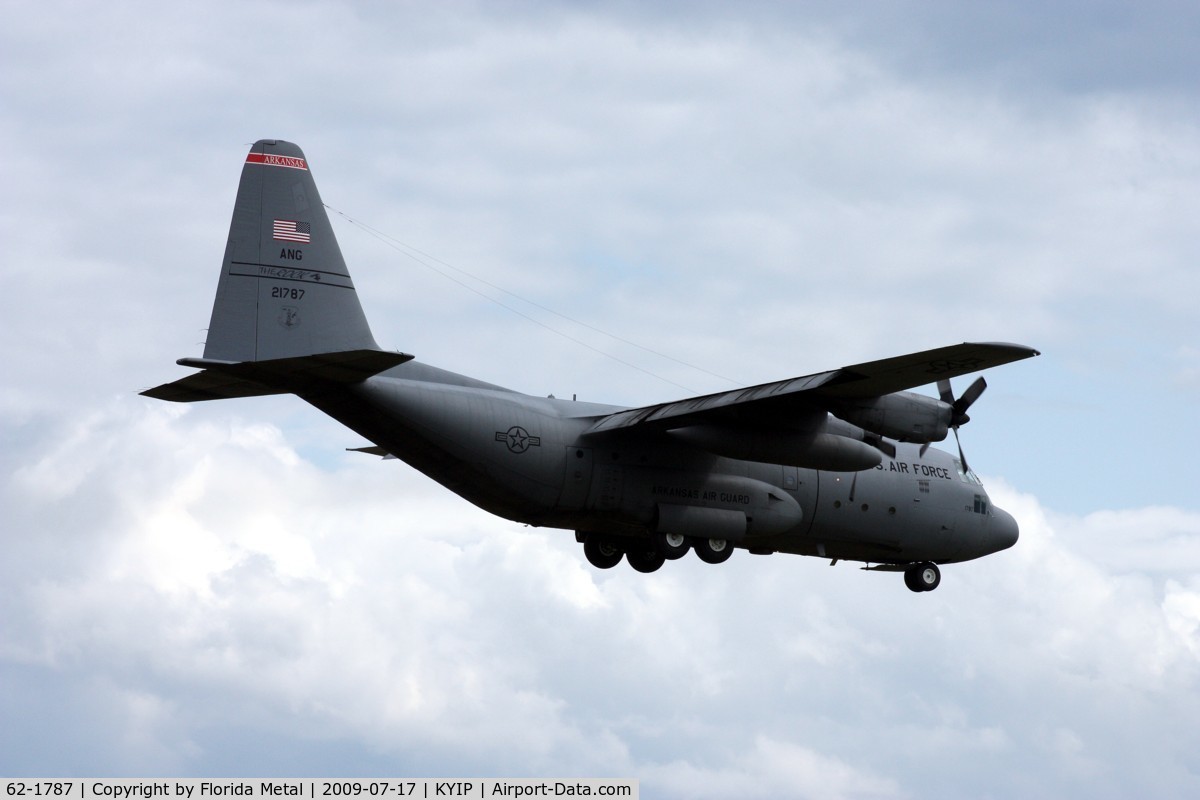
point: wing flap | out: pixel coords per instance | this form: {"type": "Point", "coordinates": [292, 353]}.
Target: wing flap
{"type": "Point", "coordinates": [708, 407]}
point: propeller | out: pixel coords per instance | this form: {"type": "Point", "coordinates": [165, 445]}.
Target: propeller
{"type": "Point", "coordinates": [958, 409]}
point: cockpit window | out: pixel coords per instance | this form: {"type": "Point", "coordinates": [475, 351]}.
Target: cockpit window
{"type": "Point", "coordinates": [967, 475]}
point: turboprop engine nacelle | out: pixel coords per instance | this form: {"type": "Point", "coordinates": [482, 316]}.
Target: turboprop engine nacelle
{"type": "Point", "coordinates": [840, 450]}
{"type": "Point", "coordinates": [903, 416]}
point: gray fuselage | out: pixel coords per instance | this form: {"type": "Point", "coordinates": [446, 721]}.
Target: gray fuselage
{"type": "Point", "coordinates": [528, 459]}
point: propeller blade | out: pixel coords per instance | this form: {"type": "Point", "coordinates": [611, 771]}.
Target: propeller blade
{"type": "Point", "coordinates": [946, 391]}
{"type": "Point", "coordinates": [958, 416]}
{"type": "Point", "coordinates": [961, 456]}
{"type": "Point", "coordinates": [882, 445]}
{"type": "Point", "coordinates": [969, 396]}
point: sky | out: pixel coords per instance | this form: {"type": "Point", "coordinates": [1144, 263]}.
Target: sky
{"type": "Point", "coordinates": [748, 193]}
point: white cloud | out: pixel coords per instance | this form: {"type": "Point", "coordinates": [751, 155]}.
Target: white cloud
{"type": "Point", "coordinates": [1182, 610]}
{"type": "Point", "coordinates": [234, 583]}
{"type": "Point", "coordinates": [766, 768]}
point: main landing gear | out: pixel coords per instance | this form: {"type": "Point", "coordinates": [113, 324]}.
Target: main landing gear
{"type": "Point", "coordinates": [922, 577]}
{"type": "Point", "coordinates": [647, 555]}
{"type": "Point", "coordinates": [601, 552]}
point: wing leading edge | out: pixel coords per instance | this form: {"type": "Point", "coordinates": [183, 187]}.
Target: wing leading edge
{"type": "Point", "coordinates": [770, 402]}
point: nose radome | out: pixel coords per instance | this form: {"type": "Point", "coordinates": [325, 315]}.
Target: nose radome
{"type": "Point", "coordinates": [1003, 530]}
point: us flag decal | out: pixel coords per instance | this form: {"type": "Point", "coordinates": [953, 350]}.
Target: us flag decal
{"type": "Point", "coordinates": [286, 230]}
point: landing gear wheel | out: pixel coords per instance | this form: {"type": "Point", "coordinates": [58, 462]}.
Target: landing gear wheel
{"type": "Point", "coordinates": [713, 551]}
{"type": "Point", "coordinates": [672, 545]}
{"type": "Point", "coordinates": [645, 557]}
{"type": "Point", "coordinates": [601, 553]}
{"type": "Point", "coordinates": [910, 580]}
{"type": "Point", "coordinates": [922, 577]}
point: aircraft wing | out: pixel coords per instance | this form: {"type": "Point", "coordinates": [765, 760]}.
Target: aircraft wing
{"type": "Point", "coordinates": [781, 400]}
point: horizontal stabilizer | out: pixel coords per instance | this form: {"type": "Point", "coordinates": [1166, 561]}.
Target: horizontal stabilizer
{"type": "Point", "coordinates": [209, 385]}
{"type": "Point", "coordinates": [227, 379]}
{"type": "Point", "coordinates": [373, 450]}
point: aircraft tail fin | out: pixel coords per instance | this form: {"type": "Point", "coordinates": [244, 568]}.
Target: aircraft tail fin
{"type": "Point", "coordinates": [284, 290]}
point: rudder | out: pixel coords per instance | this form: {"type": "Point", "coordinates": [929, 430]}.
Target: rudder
{"type": "Point", "coordinates": [284, 289]}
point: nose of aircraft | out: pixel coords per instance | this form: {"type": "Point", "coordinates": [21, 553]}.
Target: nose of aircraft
{"type": "Point", "coordinates": [1002, 530]}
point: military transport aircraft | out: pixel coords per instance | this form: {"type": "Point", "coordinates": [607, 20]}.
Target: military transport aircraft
{"type": "Point", "coordinates": [835, 465]}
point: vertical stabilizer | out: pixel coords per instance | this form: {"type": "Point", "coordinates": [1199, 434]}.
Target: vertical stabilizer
{"type": "Point", "coordinates": [284, 289]}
